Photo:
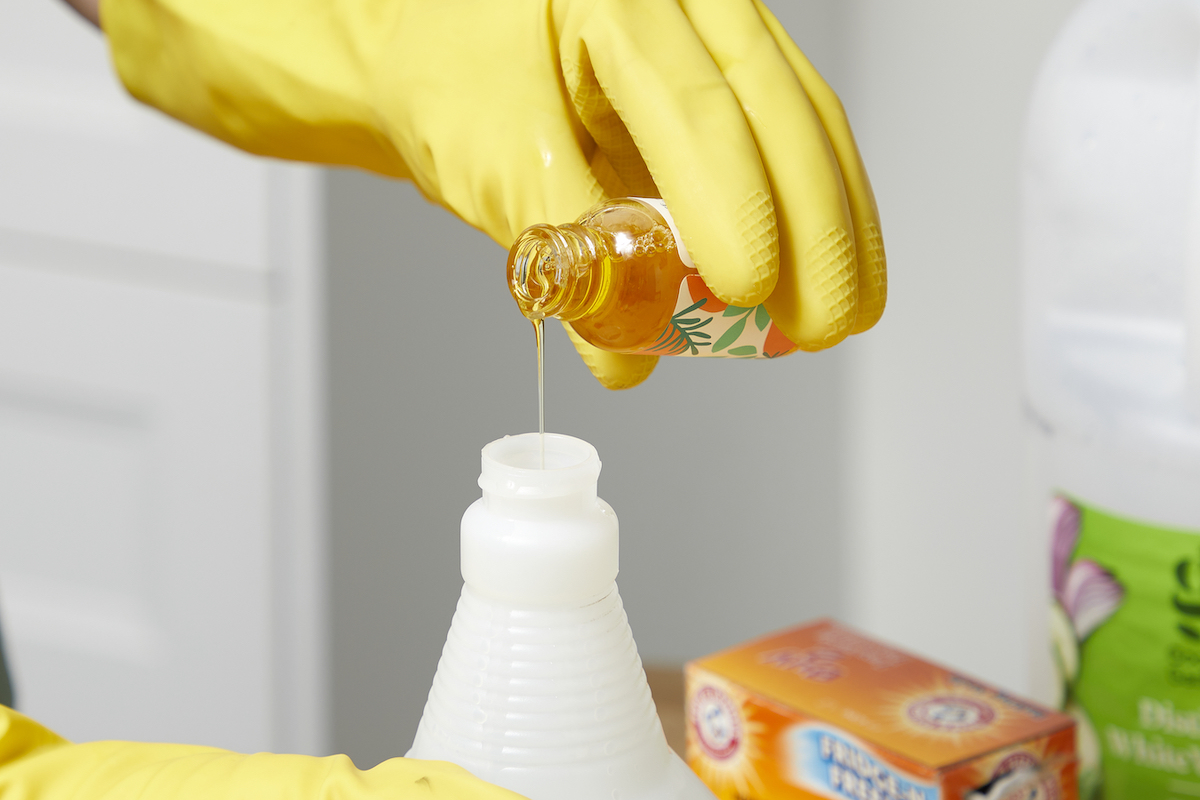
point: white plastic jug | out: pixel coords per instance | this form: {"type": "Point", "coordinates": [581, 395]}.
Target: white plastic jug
{"type": "Point", "coordinates": [1111, 258]}
{"type": "Point", "coordinates": [540, 688]}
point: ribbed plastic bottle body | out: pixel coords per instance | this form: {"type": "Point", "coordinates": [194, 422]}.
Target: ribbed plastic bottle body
{"type": "Point", "coordinates": [623, 280]}
{"type": "Point", "coordinates": [1111, 323]}
{"type": "Point", "coordinates": [540, 688]}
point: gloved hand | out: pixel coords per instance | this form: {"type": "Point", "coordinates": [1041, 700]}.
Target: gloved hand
{"type": "Point", "coordinates": [36, 764]}
{"type": "Point", "coordinates": [515, 112]}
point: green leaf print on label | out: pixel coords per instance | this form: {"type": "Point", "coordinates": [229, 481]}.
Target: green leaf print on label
{"type": "Point", "coordinates": [683, 334]}
{"type": "Point", "coordinates": [1126, 600]}
{"type": "Point", "coordinates": [704, 326]}
{"type": "Point", "coordinates": [730, 336]}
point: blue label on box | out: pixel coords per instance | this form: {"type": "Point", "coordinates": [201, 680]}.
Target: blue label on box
{"type": "Point", "coordinates": [830, 763]}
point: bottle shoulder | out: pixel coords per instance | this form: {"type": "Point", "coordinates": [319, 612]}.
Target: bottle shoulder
{"type": "Point", "coordinates": [624, 214]}
{"type": "Point", "coordinates": [630, 229]}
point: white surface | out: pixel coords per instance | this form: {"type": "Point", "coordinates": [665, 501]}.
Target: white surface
{"type": "Point", "coordinates": [540, 688]}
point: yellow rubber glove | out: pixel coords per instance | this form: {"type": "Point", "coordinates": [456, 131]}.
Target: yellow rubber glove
{"type": "Point", "coordinates": [515, 112]}
{"type": "Point", "coordinates": [36, 764]}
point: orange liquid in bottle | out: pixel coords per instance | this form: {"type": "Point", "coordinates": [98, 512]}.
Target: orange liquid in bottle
{"type": "Point", "coordinates": [619, 278]}
{"type": "Point", "coordinates": [614, 275]}
{"type": "Point", "coordinates": [645, 282]}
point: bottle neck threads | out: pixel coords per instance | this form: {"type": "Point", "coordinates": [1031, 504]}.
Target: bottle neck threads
{"type": "Point", "coordinates": [560, 271]}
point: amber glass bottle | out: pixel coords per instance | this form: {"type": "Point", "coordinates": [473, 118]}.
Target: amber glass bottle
{"type": "Point", "coordinates": [621, 276]}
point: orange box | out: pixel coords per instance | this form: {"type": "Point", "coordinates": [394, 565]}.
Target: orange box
{"type": "Point", "coordinates": [821, 711]}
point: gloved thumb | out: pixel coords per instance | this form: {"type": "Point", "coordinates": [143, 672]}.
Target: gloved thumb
{"type": "Point", "coordinates": [613, 370]}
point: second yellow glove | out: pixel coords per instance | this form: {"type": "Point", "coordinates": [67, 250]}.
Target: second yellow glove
{"type": "Point", "coordinates": [36, 764]}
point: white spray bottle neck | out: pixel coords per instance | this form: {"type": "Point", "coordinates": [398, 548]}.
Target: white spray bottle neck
{"type": "Point", "coordinates": [541, 535]}
{"type": "Point", "coordinates": [540, 688]}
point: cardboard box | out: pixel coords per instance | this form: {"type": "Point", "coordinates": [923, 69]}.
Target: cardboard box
{"type": "Point", "coordinates": [821, 711]}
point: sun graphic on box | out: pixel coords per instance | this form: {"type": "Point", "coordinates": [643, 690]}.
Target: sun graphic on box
{"type": "Point", "coordinates": [946, 711]}
{"type": "Point", "coordinates": [723, 738]}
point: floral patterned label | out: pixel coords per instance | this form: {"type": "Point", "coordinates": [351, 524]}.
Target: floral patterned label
{"type": "Point", "coordinates": [704, 326]}
{"type": "Point", "coordinates": [1125, 622]}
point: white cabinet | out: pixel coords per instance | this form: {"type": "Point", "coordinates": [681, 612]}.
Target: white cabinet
{"type": "Point", "coordinates": [160, 484]}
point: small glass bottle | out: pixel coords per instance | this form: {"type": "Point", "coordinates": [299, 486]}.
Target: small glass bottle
{"type": "Point", "coordinates": [623, 279]}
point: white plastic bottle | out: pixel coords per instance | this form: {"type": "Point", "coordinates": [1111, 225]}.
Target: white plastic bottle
{"type": "Point", "coordinates": [540, 688]}
{"type": "Point", "coordinates": [1111, 257]}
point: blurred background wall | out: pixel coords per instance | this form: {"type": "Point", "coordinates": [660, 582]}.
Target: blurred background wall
{"type": "Point", "coordinates": [939, 550]}
{"type": "Point", "coordinates": [880, 482]}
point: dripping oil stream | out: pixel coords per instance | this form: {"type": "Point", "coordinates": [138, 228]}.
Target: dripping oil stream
{"type": "Point", "coordinates": [539, 331]}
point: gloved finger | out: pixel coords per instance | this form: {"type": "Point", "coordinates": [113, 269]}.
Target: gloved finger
{"type": "Point", "coordinates": [616, 154]}
{"type": "Point", "coordinates": [613, 370]}
{"type": "Point", "coordinates": [538, 167]}
{"type": "Point", "coordinates": [816, 299]}
{"type": "Point", "coordinates": [872, 261]}
{"type": "Point", "coordinates": [640, 63]}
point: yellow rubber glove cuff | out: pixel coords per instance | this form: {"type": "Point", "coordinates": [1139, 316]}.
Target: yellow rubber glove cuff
{"type": "Point", "coordinates": [36, 764]}
{"type": "Point", "coordinates": [516, 112]}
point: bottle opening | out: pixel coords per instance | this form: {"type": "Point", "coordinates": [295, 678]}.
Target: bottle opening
{"type": "Point", "coordinates": [512, 466]}
{"type": "Point", "coordinates": [559, 271]}
{"type": "Point", "coordinates": [535, 270]}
